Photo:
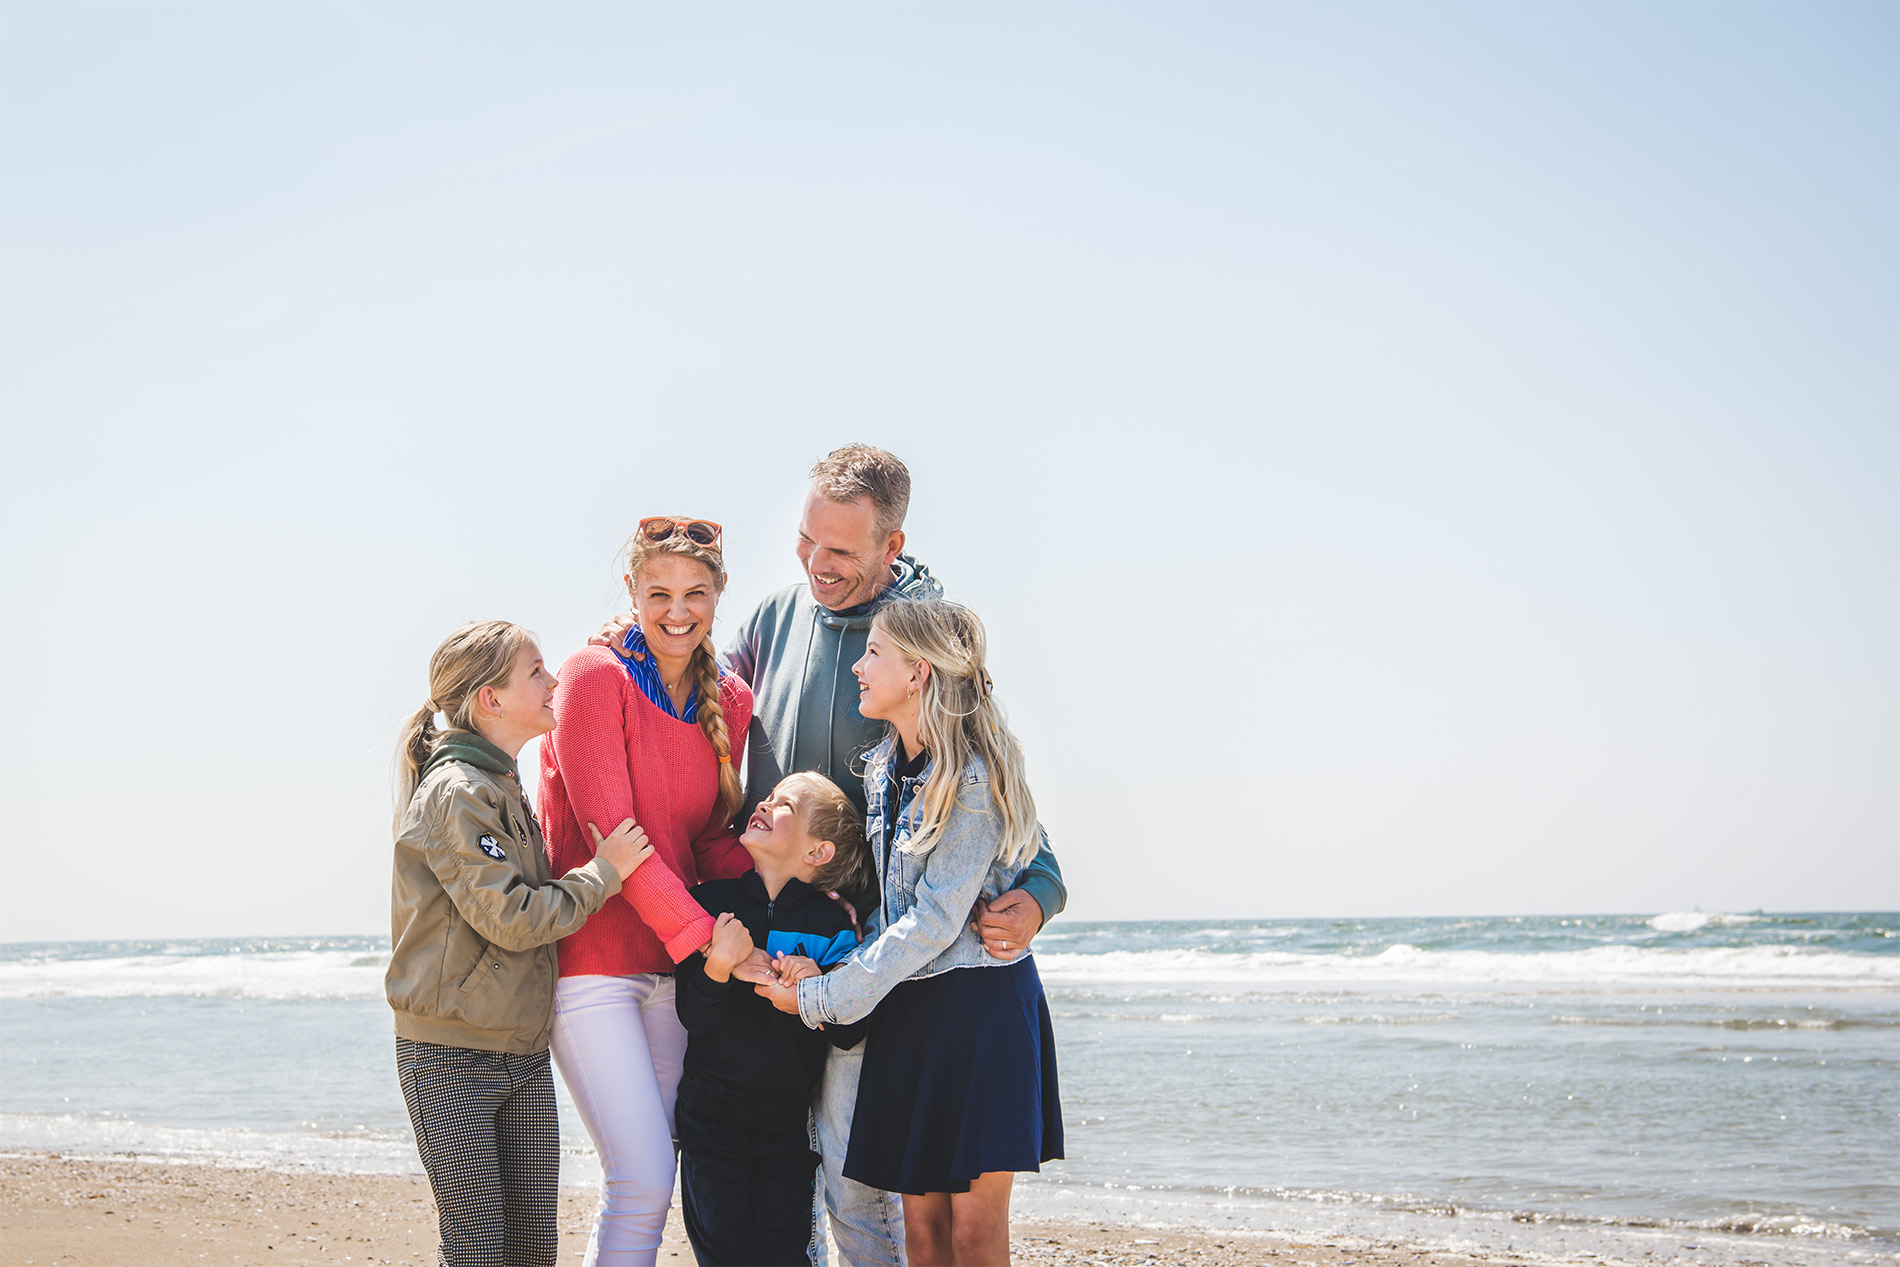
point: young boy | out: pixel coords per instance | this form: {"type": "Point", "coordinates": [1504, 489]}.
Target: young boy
{"type": "Point", "coordinates": [746, 1162]}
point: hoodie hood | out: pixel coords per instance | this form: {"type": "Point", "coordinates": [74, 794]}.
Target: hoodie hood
{"type": "Point", "coordinates": [466, 745]}
{"type": "Point", "coordinates": [913, 581]}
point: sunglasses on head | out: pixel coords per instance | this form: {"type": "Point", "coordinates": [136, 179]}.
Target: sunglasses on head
{"type": "Point", "coordinates": [702, 532]}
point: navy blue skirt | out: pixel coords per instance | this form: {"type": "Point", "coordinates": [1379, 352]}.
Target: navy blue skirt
{"type": "Point", "coordinates": [959, 1080]}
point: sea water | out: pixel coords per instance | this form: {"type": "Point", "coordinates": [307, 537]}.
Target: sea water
{"type": "Point", "coordinates": [1721, 1087]}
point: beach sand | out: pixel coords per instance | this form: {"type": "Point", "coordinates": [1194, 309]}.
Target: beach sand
{"type": "Point", "coordinates": [153, 1213]}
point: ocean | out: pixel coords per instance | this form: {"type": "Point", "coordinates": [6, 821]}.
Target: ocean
{"type": "Point", "coordinates": [1721, 1087]}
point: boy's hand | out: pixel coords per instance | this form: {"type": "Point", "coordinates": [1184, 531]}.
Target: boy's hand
{"type": "Point", "coordinates": [613, 634]}
{"type": "Point", "coordinates": [730, 944]}
{"type": "Point", "coordinates": [782, 997]}
{"type": "Point", "coordinates": [755, 968]}
{"type": "Point", "coordinates": [792, 969]}
{"type": "Point", "coordinates": [1007, 924]}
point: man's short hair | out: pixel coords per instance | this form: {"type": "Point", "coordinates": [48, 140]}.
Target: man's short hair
{"type": "Point", "coordinates": [858, 470]}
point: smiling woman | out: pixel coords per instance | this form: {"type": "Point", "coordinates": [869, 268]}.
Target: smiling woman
{"type": "Point", "coordinates": [648, 738]}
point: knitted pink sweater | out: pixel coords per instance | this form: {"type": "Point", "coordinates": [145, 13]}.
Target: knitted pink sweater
{"type": "Point", "coordinates": [614, 755]}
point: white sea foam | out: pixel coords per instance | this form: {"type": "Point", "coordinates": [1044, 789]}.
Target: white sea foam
{"type": "Point", "coordinates": [1692, 921]}
{"type": "Point", "coordinates": [1601, 966]}
{"type": "Point", "coordinates": [295, 974]}
{"type": "Point", "coordinates": [358, 1152]}
{"type": "Point", "coordinates": [356, 974]}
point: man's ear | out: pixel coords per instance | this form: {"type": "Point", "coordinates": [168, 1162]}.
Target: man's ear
{"type": "Point", "coordinates": [893, 546]}
{"type": "Point", "coordinates": [821, 853]}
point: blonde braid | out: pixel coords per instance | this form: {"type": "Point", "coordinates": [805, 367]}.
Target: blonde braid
{"type": "Point", "coordinates": [712, 724]}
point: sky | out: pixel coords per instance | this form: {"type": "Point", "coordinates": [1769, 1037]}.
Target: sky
{"type": "Point", "coordinates": [1420, 459]}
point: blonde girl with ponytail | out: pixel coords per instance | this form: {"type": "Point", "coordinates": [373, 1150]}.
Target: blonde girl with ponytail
{"type": "Point", "coordinates": [959, 1088]}
{"type": "Point", "coordinates": [475, 912]}
{"type": "Point", "coordinates": [655, 737]}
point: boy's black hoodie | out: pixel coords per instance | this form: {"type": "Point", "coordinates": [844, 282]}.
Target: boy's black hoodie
{"type": "Point", "coordinates": [746, 1061]}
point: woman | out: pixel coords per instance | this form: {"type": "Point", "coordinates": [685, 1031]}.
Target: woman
{"type": "Point", "coordinates": [959, 1085]}
{"type": "Point", "coordinates": [648, 739]}
{"type": "Point", "coordinates": [475, 912]}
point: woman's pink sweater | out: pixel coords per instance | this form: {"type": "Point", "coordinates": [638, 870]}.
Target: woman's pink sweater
{"type": "Point", "coordinates": [614, 755]}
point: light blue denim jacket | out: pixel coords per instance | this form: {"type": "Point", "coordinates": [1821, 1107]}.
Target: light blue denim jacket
{"type": "Point", "coordinates": [923, 926]}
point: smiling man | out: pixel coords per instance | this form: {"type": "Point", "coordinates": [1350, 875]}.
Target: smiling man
{"type": "Point", "coordinates": [797, 650]}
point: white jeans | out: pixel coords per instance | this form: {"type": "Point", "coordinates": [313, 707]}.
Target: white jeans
{"type": "Point", "coordinates": [619, 1045]}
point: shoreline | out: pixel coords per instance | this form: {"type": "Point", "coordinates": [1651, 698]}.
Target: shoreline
{"type": "Point", "coordinates": [146, 1211]}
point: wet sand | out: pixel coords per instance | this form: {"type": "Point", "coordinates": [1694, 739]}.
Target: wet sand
{"type": "Point", "coordinates": [146, 1212]}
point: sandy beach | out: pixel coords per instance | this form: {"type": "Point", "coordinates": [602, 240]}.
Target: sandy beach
{"type": "Point", "coordinates": [154, 1213]}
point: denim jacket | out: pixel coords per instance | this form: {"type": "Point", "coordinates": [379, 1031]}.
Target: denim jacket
{"type": "Point", "coordinates": [923, 927]}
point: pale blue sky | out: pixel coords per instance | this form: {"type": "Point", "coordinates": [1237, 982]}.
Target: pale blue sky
{"type": "Point", "coordinates": [1413, 459]}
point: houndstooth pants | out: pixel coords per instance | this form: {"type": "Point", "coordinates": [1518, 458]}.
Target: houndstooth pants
{"type": "Point", "coordinates": [486, 1128]}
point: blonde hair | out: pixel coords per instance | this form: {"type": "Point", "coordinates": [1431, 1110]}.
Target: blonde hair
{"type": "Point", "coordinates": [705, 662]}
{"type": "Point", "coordinates": [830, 815]}
{"type": "Point", "coordinates": [476, 655]}
{"type": "Point", "coordinates": [859, 470]}
{"type": "Point", "coordinates": [958, 719]}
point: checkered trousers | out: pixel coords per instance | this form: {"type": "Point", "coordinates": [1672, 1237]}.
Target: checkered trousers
{"type": "Point", "coordinates": [486, 1128]}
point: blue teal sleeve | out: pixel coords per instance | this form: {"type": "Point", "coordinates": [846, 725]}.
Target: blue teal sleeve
{"type": "Point", "coordinates": [1042, 880]}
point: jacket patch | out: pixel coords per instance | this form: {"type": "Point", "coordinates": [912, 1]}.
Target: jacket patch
{"type": "Point", "coordinates": [490, 848]}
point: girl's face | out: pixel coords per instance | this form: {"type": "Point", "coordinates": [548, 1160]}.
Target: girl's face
{"type": "Point", "coordinates": [526, 704]}
{"type": "Point", "coordinates": [674, 598]}
{"type": "Point", "coordinates": [887, 683]}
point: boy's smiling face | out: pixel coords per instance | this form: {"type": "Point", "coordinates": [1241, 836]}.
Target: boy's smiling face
{"type": "Point", "coordinates": [776, 837]}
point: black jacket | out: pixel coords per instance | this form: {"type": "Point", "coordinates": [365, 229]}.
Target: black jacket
{"type": "Point", "coordinates": [746, 1061]}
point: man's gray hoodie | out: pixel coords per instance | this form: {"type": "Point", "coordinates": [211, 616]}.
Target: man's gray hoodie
{"type": "Point", "coordinates": [797, 657]}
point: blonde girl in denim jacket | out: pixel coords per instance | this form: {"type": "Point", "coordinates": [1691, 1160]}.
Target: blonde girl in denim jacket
{"type": "Point", "coordinates": [959, 1085]}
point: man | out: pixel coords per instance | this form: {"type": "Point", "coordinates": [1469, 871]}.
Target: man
{"type": "Point", "coordinates": [796, 650]}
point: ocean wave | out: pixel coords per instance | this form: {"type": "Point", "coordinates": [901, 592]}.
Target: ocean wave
{"type": "Point", "coordinates": [1717, 966]}
{"type": "Point", "coordinates": [1694, 921]}
{"type": "Point", "coordinates": [299, 974]}
{"type": "Point", "coordinates": [357, 973]}
{"type": "Point", "coordinates": [1744, 1222]}
{"type": "Point", "coordinates": [79, 1134]}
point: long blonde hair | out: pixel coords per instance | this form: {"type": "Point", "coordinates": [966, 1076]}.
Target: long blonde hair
{"type": "Point", "coordinates": [705, 663]}
{"type": "Point", "coordinates": [474, 656]}
{"type": "Point", "coordinates": [959, 718]}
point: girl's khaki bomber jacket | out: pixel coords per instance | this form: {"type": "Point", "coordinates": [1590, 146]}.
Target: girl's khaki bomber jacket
{"type": "Point", "coordinates": [474, 912]}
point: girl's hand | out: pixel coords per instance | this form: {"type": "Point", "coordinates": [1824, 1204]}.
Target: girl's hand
{"type": "Point", "coordinates": [730, 944]}
{"type": "Point", "coordinates": [782, 997]}
{"type": "Point", "coordinates": [755, 968]}
{"type": "Point", "coordinates": [625, 850]}
{"type": "Point", "coordinates": [792, 969]}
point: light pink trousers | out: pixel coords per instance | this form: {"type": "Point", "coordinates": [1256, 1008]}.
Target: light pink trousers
{"type": "Point", "coordinates": [619, 1044]}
